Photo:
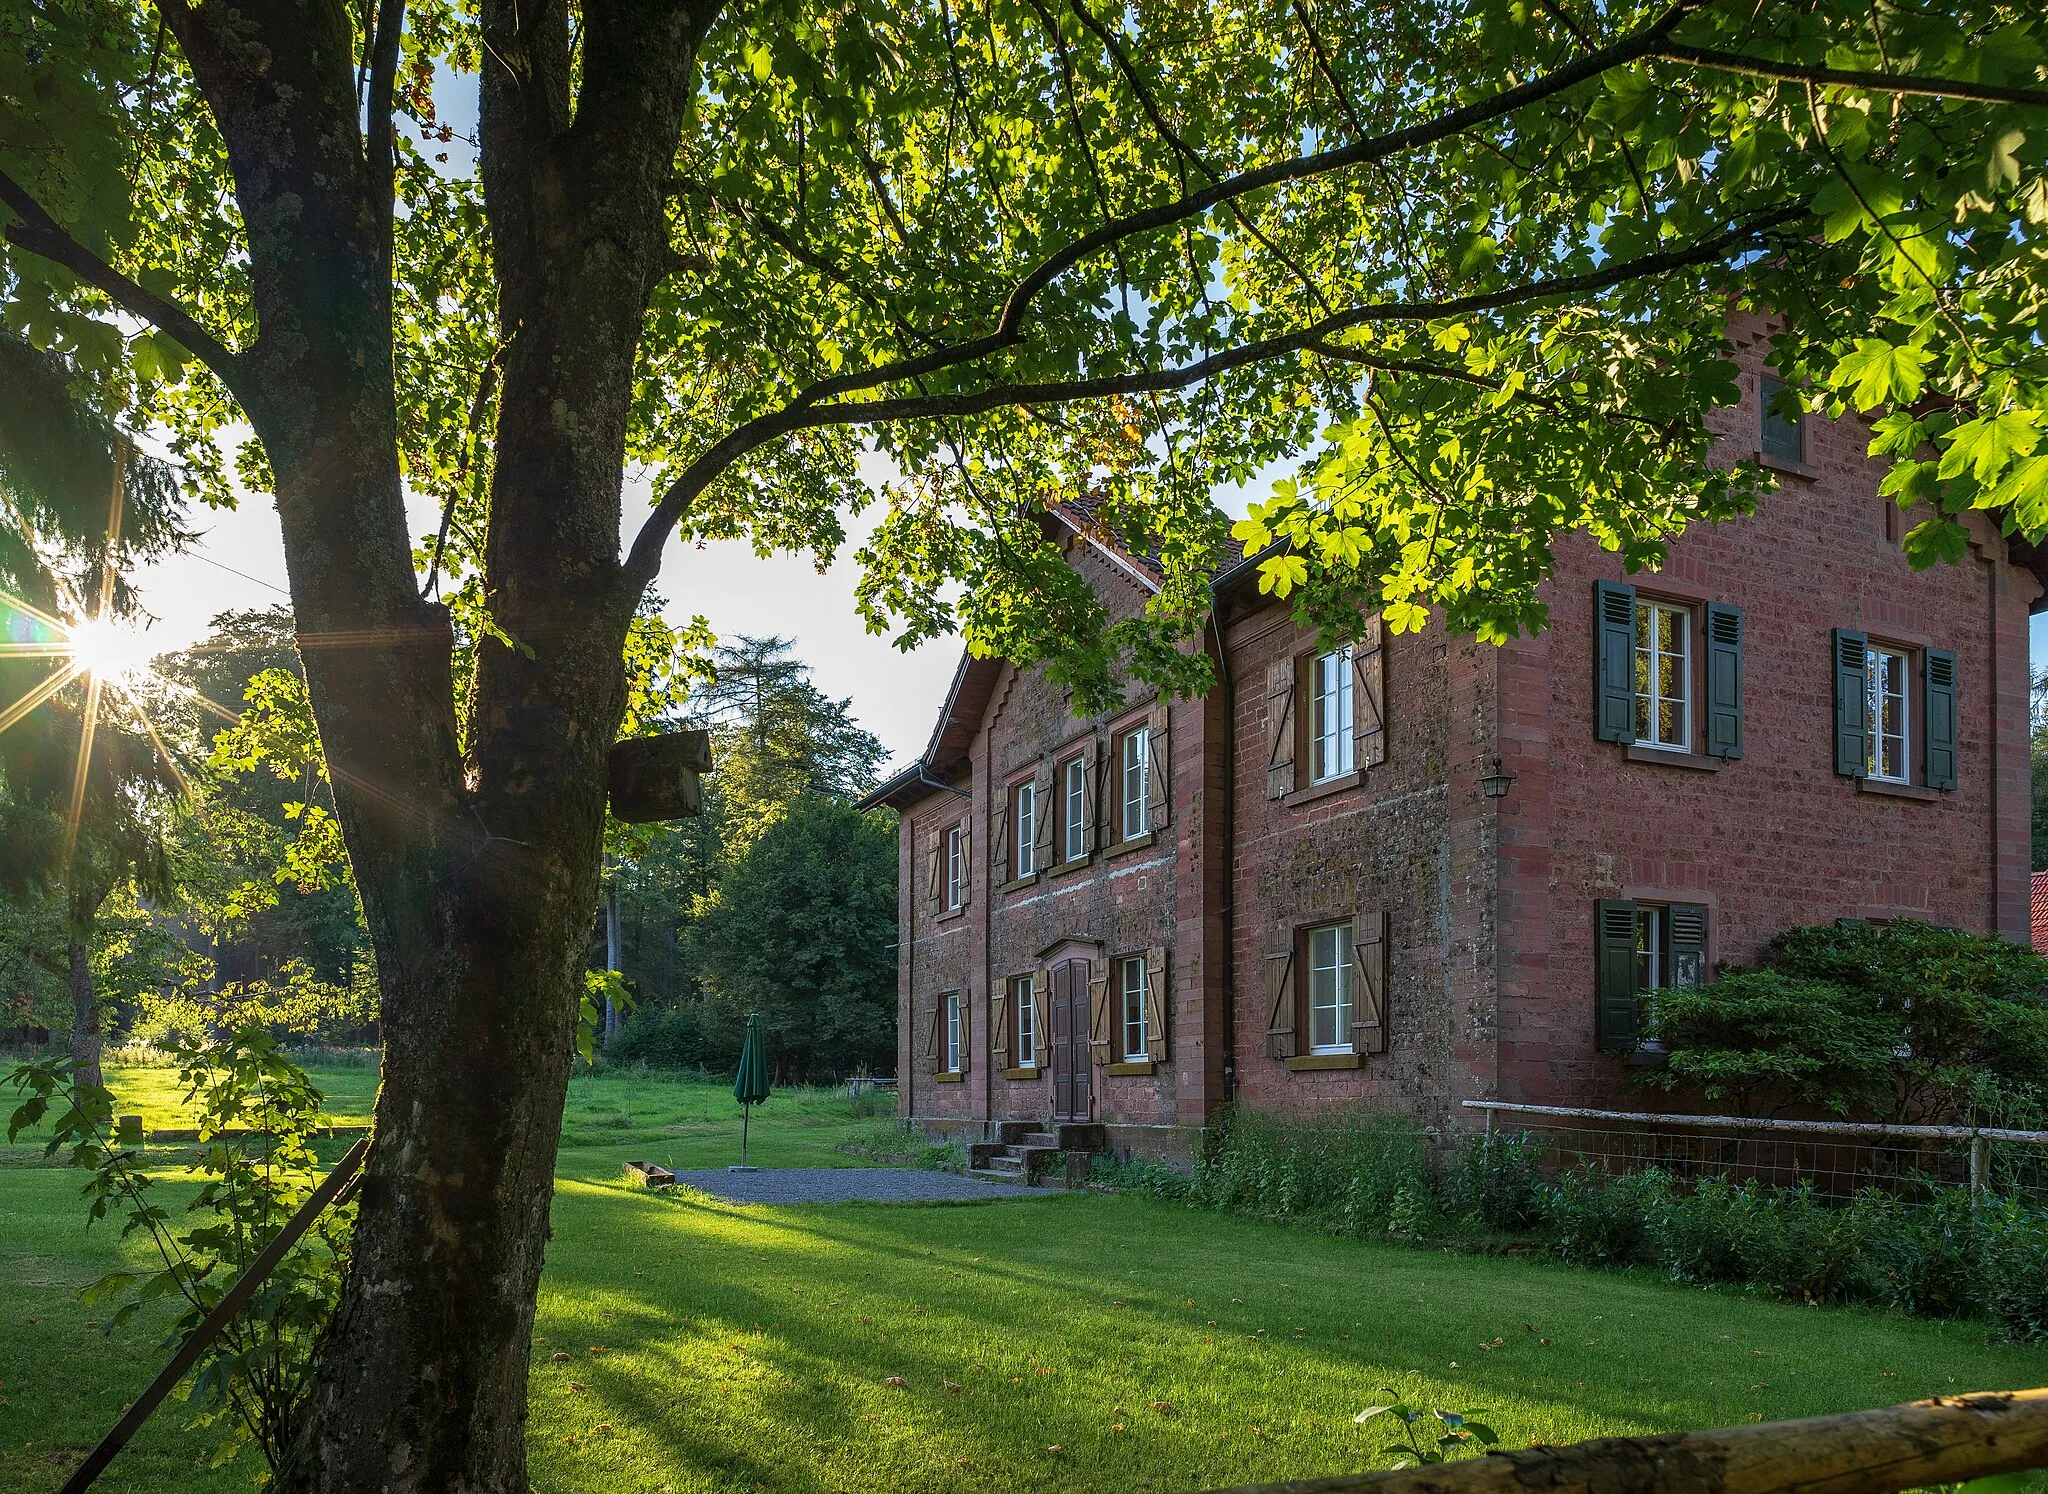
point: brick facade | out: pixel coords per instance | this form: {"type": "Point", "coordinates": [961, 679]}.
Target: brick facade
{"type": "Point", "coordinates": [1488, 903]}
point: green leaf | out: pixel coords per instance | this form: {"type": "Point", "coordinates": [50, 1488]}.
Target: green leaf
{"type": "Point", "coordinates": [1983, 446]}
{"type": "Point", "coordinates": [1882, 372]}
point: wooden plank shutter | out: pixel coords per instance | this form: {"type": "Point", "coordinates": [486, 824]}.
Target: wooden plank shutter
{"type": "Point", "coordinates": [935, 886]}
{"type": "Point", "coordinates": [1051, 810]}
{"type": "Point", "coordinates": [1100, 1021]}
{"type": "Point", "coordinates": [966, 862]}
{"type": "Point", "coordinates": [1159, 768]}
{"type": "Point", "coordinates": [934, 1056]}
{"type": "Point", "coordinates": [1369, 695]}
{"type": "Point", "coordinates": [1041, 1018]}
{"type": "Point", "coordinates": [1614, 661]}
{"type": "Point", "coordinates": [1852, 703]}
{"type": "Point", "coordinates": [1724, 680]}
{"type": "Point", "coordinates": [966, 1031]}
{"type": "Point", "coordinates": [1093, 819]}
{"type": "Point", "coordinates": [1280, 728]}
{"type": "Point", "coordinates": [999, 839]}
{"type": "Point", "coordinates": [999, 1027]}
{"type": "Point", "coordinates": [1155, 1003]}
{"type": "Point", "coordinates": [1685, 927]}
{"type": "Point", "coordinates": [1614, 925]}
{"type": "Point", "coordinates": [1280, 1002]}
{"type": "Point", "coordinates": [1369, 1032]}
{"type": "Point", "coordinates": [1938, 666]}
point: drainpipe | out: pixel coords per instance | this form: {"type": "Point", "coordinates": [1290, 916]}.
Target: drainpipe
{"type": "Point", "coordinates": [1227, 909]}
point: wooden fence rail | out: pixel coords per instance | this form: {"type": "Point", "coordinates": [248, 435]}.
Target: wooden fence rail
{"type": "Point", "coordinates": [1948, 1440]}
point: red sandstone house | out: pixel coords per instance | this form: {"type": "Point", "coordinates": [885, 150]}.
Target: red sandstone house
{"type": "Point", "coordinates": [1423, 870]}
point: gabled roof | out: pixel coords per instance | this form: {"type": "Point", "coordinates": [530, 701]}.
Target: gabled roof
{"type": "Point", "coordinates": [974, 681]}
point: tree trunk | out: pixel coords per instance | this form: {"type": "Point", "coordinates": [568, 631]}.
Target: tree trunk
{"type": "Point", "coordinates": [85, 1015]}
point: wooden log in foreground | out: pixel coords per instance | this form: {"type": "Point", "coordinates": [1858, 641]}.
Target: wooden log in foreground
{"type": "Point", "coordinates": [1947, 1440]}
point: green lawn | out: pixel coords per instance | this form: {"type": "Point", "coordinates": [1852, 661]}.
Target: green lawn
{"type": "Point", "coordinates": [719, 1348]}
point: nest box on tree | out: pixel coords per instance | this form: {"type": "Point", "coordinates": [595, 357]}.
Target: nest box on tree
{"type": "Point", "coordinates": [656, 778]}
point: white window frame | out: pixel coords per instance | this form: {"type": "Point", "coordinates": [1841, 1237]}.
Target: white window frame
{"type": "Point", "coordinates": [956, 869]}
{"type": "Point", "coordinates": [1328, 963]}
{"type": "Point", "coordinates": [1074, 824]}
{"type": "Point", "coordinates": [1332, 744]}
{"type": "Point", "coordinates": [1132, 992]}
{"type": "Point", "coordinates": [1134, 761]}
{"type": "Point", "coordinates": [1653, 947]}
{"type": "Point", "coordinates": [954, 1036]}
{"type": "Point", "coordinates": [1900, 742]}
{"type": "Point", "coordinates": [1023, 997]}
{"type": "Point", "coordinates": [1649, 654]}
{"type": "Point", "coordinates": [1024, 827]}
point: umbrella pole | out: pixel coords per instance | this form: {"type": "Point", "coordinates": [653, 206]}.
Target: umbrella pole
{"type": "Point", "coordinates": [746, 1114]}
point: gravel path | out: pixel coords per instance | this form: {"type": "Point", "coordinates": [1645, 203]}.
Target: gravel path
{"type": "Point", "coordinates": [831, 1185]}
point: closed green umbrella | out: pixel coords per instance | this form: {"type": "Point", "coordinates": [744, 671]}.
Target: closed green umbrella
{"type": "Point", "coordinates": [750, 1085]}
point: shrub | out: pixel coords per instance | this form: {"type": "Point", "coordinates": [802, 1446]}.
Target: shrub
{"type": "Point", "coordinates": [1499, 1181]}
{"type": "Point", "coordinates": [1801, 1247]}
{"type": "Point", "coordinates": [1703, 1235]}
{"type": "Point", "coordinates": [1929, 1258]}
{"type": "Point", "coordinates": [1343, 1172]}
{"type": "Point", "coordinates": [1150, 1179]}
{"type": "Point", "coordinates": [1599, 1220]}
{"type": "Point", "coordinates": [668, 1037]}
{"type": "Point", "coordinates": [1760, 1036]}
{"type": "Point", "coordinates": [2016, 1271]}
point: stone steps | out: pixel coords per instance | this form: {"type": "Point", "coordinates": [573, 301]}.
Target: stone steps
{"type": "Point", "coordinates": [1031, 1152]}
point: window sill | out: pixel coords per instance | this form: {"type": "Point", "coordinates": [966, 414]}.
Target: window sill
{"type": "Point", "coordinates": [1029, 1071]}
{"type": "Point", "coordinates": [1309, 1062]}
{"type": "Point", "coordinates": [1135, 843]}
{"type": "Point", "coordinates": [1786, 465]}
{"type": "Point", "coordinates": [1671, 757]}
{"type": "Point", "coordinates": [1329, 786]}
{"type": "Point", "coordinates": [1015, 884]}
{"type": "Point", "coordinates": [1896, 790]}
{"type": "Point", "coordinates": [1062, 868]}
{"type": "Point", "coordinates": [950, 915]}
{"type": "Point", "coordinates": [948, 1078]}
{"type": "Point", "coordinates": [1130, 1068]}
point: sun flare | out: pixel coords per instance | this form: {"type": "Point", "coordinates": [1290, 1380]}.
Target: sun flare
{"type": "Point", "coordinates": [102, 647]}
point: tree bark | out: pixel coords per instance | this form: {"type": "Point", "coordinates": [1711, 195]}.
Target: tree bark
{"type": "Point", "coordinates": [85, 1015]}
{"type": "Point", "coordinates": [478, 870]}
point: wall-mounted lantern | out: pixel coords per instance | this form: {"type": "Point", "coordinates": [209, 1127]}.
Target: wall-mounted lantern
{"type": "Point", "coordinates": [1495, 785]}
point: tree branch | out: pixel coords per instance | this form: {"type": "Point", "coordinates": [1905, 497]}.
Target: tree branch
{"type": "Point", "coordinates": [804, 412]}
{"type": "Point", "coordinates": [41, 234]}
{"type": "Point", "coordinates": [1804, 72]}
{"type": "Point", "coordinates": [383, 84]}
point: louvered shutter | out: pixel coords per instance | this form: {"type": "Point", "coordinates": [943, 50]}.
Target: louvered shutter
{"type": "Point", "coordinates": [1280, 729]}
{"type": "Point", "coordinates": [1155, 1003]}
{"type": "Point", "coordinates": [1724, 680]}
{"type": "Point", "coordinates": [1159, 769]}
{"type": "Point", "coordinates": [1938, 666]}
{"type": "Point", "coordinates": [1614, 924]}
{"type": "Point", "coordinates": [1686, 933]}
{"type": "Point", "coordinates": [999, 1027]}
{"type": "Point", "coordinates": [1280, 1003]}
{"type": "Point", "coordinates": [1852, 703]}
{"type": "Point", "coordinates": [1369, 1033]}
{"type": "Point", "coordinates": [934, 1056]}
{"type": "Point", "coordinates": [1100, 1021]}
{"type": "Point", "coordinates": [1369, 695]}
{"type": "Point", "coordinates": [1614, 661]}
{"type": "Point", "coordinates": [999, 839]}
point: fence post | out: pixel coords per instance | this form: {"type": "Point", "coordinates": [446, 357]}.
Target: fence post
{"type": "Point", "coordinates": [1980, 1162]}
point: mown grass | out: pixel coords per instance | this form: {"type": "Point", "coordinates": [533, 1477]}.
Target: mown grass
{"type": "Point", "coordinates": [716, 1348]}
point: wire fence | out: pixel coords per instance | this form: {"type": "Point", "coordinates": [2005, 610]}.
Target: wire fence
{"type": "Point", "coordinates": [1837, 1159]}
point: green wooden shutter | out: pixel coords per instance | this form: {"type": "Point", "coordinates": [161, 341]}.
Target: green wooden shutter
{"type": "Point", "coordinates": [1614, 930]}
{"type": "Point", "coordinates": [1852, 703]}
{"type": "Point", "coordinates": [1614, 661]}
{"type": "Point", "coordinates": [1938, 665]}
{"type": "Point", "coordinates": [1724, 680]}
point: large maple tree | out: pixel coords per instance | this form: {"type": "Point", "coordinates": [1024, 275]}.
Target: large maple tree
{"type": "Point", "coordinates": [1459, 269]}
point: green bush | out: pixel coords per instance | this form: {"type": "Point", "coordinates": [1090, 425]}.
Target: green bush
{"type": "Point", "coordinates": [1342, 1172]}
{"type": "Point", "coordinates": [2016, 1271]}
{"type": "Point", "coordinates": [1150, 1179]}
{"type": "Point", "coordinates": [1597, 1219]}
{"type": "Point", "coordinates": [1499, 1181]}
{"type": "Point", "coordinates": [1703, 1235]}
{"type": "Point", "coordinates": [671, 1037]}
{"type": "Point", "coordinates": [1930, 1258]}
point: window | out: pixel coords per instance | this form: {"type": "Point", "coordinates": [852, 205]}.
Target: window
{"type": "Point", "coordinates": [1131, 983]}
{"type": "Point", "coordinates": [1780, 435]}
{"type": "Point", "coordinates": [1075, 795]}
{"type": "Point", "coordinates": [1329, 989]}
{"type": "Point", "coordinates": [954, 1036]}
{"type": "Point", "coordinates": [956, 867]}
{"type": "Point", "coordinates": [1023, 995]}
{"type": "Point", "coordinates": [1024, 829]}
{"type": "Point", "coordinates": [1663, 675]}
{"type": "Point", "coordinates": [1650, 949]}
{"type": "Point", "coordinates": [1331, 746]}
{"type": "Point", "coordinates": [1887, 701]}
{"type": "Point", "coordinates": [1644, 948]}
{"type": "Point", "coordinates": [1134, 758]}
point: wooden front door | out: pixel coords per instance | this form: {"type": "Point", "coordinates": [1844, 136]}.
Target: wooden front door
{"type": "Point", "coordinates": [1072, 1073]}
